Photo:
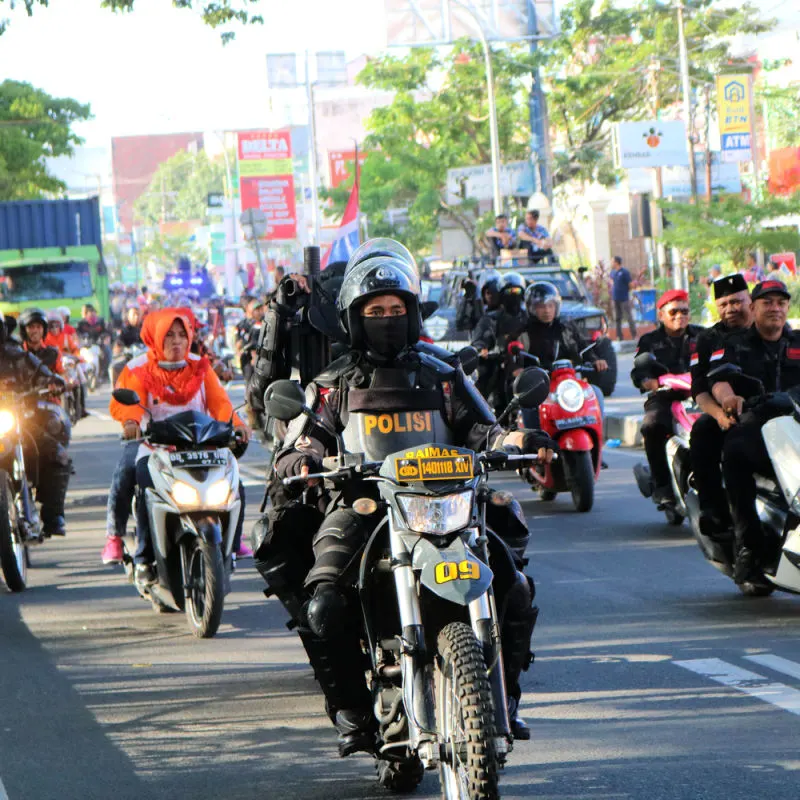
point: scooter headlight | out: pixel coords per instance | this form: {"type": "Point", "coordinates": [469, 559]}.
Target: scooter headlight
{"type": "Point", "coordinates": [569, 396]}
{"type": "Point", "coordinates": [218, 493]}
{"type": "Point", "coordinates": [438, 515]}
{"type": "Point", "coordinates": [7, 422]}
{"type": "Point", "coordinates": [185, 495]}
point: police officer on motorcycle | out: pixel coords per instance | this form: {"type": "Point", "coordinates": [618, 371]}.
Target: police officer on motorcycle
{"type": "Point", "coordinates": [672, 344]}
{"type": "Point", "coordinates": [382, 370]}
{"type": "Point", "coordinates": [708, 432]}
{"type": "Point", "coordinates": [492, 335]}
{"type": "Point", "coordinates": [474, 304]}
{"type": "Point", "coordinates": [49, 427]}
{"type": "Point", "coordinates": [769, 352]}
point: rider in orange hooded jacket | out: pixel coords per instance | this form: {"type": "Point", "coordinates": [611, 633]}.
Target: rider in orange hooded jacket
{"type": "Point", "coordinates": [168, 379]}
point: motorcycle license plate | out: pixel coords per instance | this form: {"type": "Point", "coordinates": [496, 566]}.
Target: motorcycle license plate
{"type": "Point", "coordinates": [575, 422]}
{"type": "Point", "coordinates": [199, 458]}
{"type": "Point", "coordinates": [434, 468]}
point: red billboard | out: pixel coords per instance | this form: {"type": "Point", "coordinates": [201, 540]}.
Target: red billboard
{"type": "Point", "coordinates": [266, 179]}
{"type": "Point", "coordinates": [340, 162]}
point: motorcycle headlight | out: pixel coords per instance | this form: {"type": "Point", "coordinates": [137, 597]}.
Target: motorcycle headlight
{"type": "Point", "coordinates": [569, 396]}
{"type": "Point", "coordinates": [438, 515]}
{"type": "Point", "coordinates": [7, 422]}
{"type": "Point", "coordinates": [218, 493]}
{"type": "Point", "coordinates": [185, 495]}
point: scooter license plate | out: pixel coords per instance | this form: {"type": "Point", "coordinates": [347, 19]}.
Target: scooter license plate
{"type": "Point", "coordinates": [574, 422]}
{"type": "Point", "coordinates": [199, 458]}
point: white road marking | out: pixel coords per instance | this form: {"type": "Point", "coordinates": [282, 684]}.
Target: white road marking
{"type": "Point", "coordinates": [105, 418]}
{"type": "Point", "coordinates": [779, 664]}
{"type": "Point", "coordinates": [3, 794]}
{"type": "Point", "coordinates": [778, 694]}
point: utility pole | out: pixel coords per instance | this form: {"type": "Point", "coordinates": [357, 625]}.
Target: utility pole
{"type": "Point", "coordinates": [312, 155]}
{"type": "Point", "coordinates": [658, 182]}
{"type": "Point", "coordinates": [687, 100]}
{"type": "Point", "coordinates": [538, 117]}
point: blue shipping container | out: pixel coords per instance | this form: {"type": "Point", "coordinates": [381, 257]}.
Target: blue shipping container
{"type": "Point", "coordinates": [26, 224]}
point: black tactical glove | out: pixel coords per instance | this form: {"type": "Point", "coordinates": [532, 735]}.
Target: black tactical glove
{"type": "Point", "coordinates": [292, 463]}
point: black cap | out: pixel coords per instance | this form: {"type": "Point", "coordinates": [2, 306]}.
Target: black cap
{"type": "Point", "coordinates": [730, 284]}
{"type": "Point", "coordinates": [770, 287]}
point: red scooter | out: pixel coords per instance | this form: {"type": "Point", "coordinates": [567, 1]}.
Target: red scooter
{"type": "Point", "coordinates": [571, 416]}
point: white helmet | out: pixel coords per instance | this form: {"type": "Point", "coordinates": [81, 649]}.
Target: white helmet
{"type": "Point", "coordinates": [54, 315]}
{"type": "Point", "coordinates": [65, 312]}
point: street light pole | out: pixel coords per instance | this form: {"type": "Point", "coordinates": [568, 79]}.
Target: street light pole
{"type": "Point", "coordinates": [494, 139]}
{"type": "Point", "coordinates": [687, 100]}
{"type": "Point", "coordinates": [312, 156]}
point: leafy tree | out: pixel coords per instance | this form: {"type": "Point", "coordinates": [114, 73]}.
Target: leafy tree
{"type": "Point", "coordinates": [613, 64]}
{"type": "Point", "coordinates": [731, 227]}
{"type": "Point", "coordinates": [166, 250]}
{"type": "Point", "coordinates": [33, 127]}
{"type": "Point", "coordinates": [215, 13]}
{"type": "Point", "coordinates": [783, 114]}
{"type": "Point", "coordinates": [437, 120]}
{"type": "Point", "coordinates": [179, 189]}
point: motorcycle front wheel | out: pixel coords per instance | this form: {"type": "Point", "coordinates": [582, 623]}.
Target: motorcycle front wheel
{"type": "Point", "coordinates": [13, 552]}
{"type": "Point", "coordinates": [206, 581]}
{"type": "Point", "coordinates": [465, 717]}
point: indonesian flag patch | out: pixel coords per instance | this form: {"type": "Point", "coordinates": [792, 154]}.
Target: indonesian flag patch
{"type": "Point", "coordinates": [694, 360]}
{"type": "Point", "coordinates": [717, 355]}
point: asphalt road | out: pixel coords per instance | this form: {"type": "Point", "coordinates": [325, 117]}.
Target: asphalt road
{"type": "Point", "coordinates": [654, 679]}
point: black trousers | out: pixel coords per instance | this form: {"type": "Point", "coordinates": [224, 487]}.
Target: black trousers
{"type": "Point", "coordinates": [745, 454]}
{"type": "Point", "coordinates": [656, 429]}
{"type": "Point", "coordinates": [705, 448]}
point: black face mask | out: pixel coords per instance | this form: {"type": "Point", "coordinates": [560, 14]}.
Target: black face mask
{"type": "Point", "coordinates": [512, 303]}
{"type": "Point", "coordinates": [386, 336]}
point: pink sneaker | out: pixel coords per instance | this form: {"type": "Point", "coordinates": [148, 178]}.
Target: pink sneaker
{"type": "Point", "coordinates": [113, 551]}
{"type": "Point", "coordinates": [244, 551]}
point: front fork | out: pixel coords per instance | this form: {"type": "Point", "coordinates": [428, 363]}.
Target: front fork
{"type": "Point", "coordinates": [417, 694]}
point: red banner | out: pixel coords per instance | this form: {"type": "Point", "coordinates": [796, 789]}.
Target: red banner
{"type": "Point", "coordinates": [266, 180]}
{"type": "Point", "coordinates": [340, 163]}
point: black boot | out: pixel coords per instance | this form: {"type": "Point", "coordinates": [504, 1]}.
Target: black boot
{"type": "Point", "coordinates": [515, 636]}
{"type": "Point", "coordinates": [339, 669]}
{"type": "Point", "coordinates": [52, 493]}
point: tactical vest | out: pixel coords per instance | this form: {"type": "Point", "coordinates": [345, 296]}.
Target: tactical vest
{"type": "Point", "coordinates": [393, 415]}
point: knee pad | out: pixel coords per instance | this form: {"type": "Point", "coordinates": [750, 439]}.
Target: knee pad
{"type": "Point", "coordinates": [520, 598]}
{"type": "Point", "coordinates": [508, 522]}
{"type": "Point", "coordinates": [326, 611]}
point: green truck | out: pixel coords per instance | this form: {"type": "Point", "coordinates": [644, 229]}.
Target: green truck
{"type": "Point", "coordinates": [51, 254]}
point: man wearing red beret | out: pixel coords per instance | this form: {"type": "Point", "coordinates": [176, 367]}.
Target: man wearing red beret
{"type": "Point", "coordinates": [672, 343]}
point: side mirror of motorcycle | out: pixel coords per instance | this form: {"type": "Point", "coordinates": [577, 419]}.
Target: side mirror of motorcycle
{"type": "Point", "coordinates": [126, 397]}
{"type": "Point", "coordinates": [428, 308]}
{"type": "Point", "coordinates": [468, 356]}
{"type": "Point", "coordinates": [285, 400]}
{"type": "Point", "coordinates": [531, 387]}
{"type": "Point", "coordinates": [725, 371]}
{"type": "Point", "coordinates": [644, 360]}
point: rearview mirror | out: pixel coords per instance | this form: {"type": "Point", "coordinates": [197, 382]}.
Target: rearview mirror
{"type": "Point", "coordinates": [284, 400]}
{"type": "Point", "coordinates": [644, 360]}
{"type": "Point", "coordinates": [428, 308]}
{"type": "Point", "coordinates": [531, 387]}
{"type": "Point", "coordinates": [126, 397]}
{"type": "Point", "coordinates": [468, 356]}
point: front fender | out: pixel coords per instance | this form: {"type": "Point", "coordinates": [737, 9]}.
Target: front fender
{"type": "Point", "coordinates": [577, 440]}
{"type": "Point", "coordinates": [209, 529]}
{"type": "Point", "coordinates": [453, 573]}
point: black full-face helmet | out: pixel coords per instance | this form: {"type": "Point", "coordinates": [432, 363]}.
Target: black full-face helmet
{"type": "Point", "coordinates": [377, 275]}
{"type": "Point", "coordinates": [382, 247]}
{"type": "Point", "coordinates": [490, 283]}
{"type": "Point", "coordinates": [542, 292]}
{"type": "Point", "coordinates": [31, 315]}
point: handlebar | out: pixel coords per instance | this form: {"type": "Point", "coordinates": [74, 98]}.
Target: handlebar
{"type": "Point", "coordinates": [492, 460]}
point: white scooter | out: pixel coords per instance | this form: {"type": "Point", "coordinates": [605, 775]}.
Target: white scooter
{"type": "Point", "coordinates": [90, 355]}
{"type": "Point", "coordinates": [193, 508]}
{"type": "Point", "coordinates": [778, 506]}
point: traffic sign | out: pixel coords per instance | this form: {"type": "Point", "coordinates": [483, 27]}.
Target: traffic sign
{"type": "Point", "coordinates": [254, 223]}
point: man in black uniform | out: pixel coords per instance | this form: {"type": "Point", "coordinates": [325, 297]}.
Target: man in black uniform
{"type": "Point", "coordinates": [473, 305]}
{"type": "Point", "coordinates": [247, 333]}
{"type": "Point", "coordinates": [708, 432]}
{"type": "Point", "coordinates": [491, 337]}
{"type": "Point", "coordinates": [671, 344]}
{"type": "Point", "coordinates": [48, 427]}
{"type": "Point", "coordinates": [382, 371]}
{"type": "Point", "coordinates": [769, 351]}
